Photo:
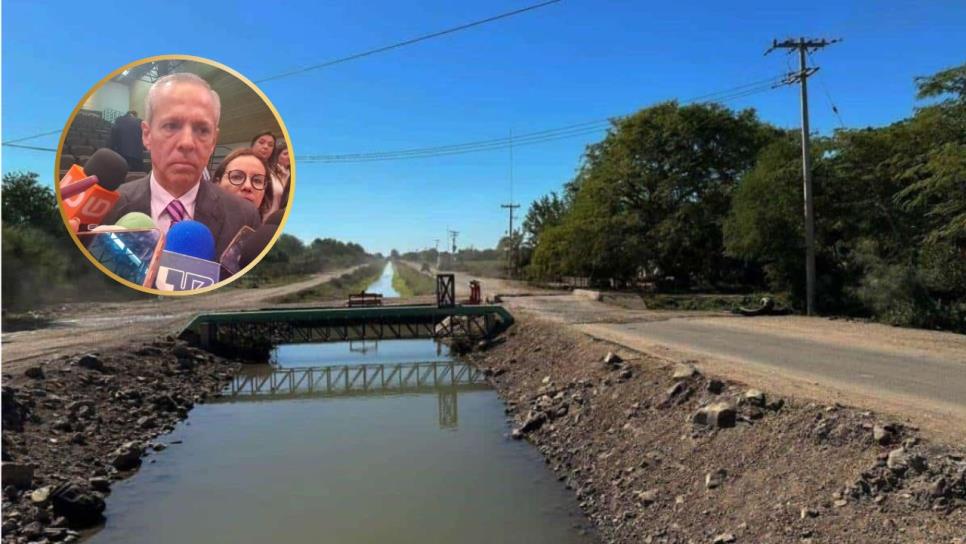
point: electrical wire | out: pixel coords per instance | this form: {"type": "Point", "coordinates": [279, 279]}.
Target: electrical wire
{"type": "Point", "coordinates": [828, 96]}
{"type": "Point", "coordinates": [370, 52]}
{"type": "Point", "coordinates": [409, 41]}
{"type": "Point", "coordinates": [519, 140]}
{"type": "Point", "coordinates": [531, 138]}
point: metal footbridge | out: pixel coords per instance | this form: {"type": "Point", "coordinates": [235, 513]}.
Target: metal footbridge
{"type": "Point", "coordinates": [252, 334]}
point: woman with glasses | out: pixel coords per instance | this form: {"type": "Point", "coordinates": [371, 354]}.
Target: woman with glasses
{"type": "Point", "coordinates": [245, 174]}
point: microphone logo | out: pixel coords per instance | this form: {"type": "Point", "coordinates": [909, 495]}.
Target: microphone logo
{"type": "Point", "coordinates": [171, 279]}
{"type": "Point", "coordinates": [96, 207]}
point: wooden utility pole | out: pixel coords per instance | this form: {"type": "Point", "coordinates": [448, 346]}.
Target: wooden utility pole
{"type": "Point", "coordinates": [510, 246]}
{"type": "Point", "coordinates": [453, 234]}
{"type": "Point", "coordinates": [803, 46]}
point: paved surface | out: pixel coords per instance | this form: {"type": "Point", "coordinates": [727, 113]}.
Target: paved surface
{"type": "Point", "coordinates": [918, 376]}
{"type": "Point", "coordinates": [907, 373]}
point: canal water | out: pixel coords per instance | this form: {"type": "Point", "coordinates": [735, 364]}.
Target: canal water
{"type": "Point", "coordinates": [384, 283]}
{"type": "Point", "coordinates": [427, 464]}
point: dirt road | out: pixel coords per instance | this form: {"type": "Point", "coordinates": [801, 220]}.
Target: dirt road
{"type": "Point", "coordinates": [916, 375]}
{"type": "Point", "coordinates": [101, 326]}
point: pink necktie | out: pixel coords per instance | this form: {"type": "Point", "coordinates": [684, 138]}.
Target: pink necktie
{"type": "Point", "coordinates": [176, 211]}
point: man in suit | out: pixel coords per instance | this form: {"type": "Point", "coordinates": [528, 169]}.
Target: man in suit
{"type": "Point", "coordinates": [126, 140]}
{"type": "Point", "coordinates": [180, 130]}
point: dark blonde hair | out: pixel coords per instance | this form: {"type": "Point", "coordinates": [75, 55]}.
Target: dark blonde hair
{"type": "Point", "coordinates": [247, 152]}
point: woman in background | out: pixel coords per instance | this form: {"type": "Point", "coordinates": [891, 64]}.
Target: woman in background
{"type": "Point", "coordinates": [263, 144]}
{"type": "Point", "coordinates": [245, 174]}
{"type": "Point", "coordinates": [280, 167]}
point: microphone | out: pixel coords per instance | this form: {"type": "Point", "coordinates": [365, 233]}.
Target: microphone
{"type": "Point", "coordinates": [131, 253]}
{"type": "Point", "coordinates": [231, 258]}
{"type": "Point", "coordinates": [275, 218]}
{"type": "Point", "coordinates": [187, 260]}
{"type": "Point", "coordinates": [135, 220]}
{"type": "Point", "coordinates": [254, 244]}
{"type": "Point", "coordinates": [88, 193]}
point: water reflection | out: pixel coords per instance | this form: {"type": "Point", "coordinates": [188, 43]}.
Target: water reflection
{"type": "Point", "coordinates": [369, 464]}
{"type": "Point", "coordinates": [444, 378]}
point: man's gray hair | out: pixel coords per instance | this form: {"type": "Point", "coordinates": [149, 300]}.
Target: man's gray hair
{"type": "Point", "coordinates": [180, 77]}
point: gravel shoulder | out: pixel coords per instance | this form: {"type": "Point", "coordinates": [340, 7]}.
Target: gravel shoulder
{"type": "Point", "coordinates": [661, 452]}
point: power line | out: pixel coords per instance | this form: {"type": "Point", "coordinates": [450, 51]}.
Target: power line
{"type": "Point", "coordinates": [409, 41]}
{"type": "Point", "coordinates": [368, 53]}
{"type": "Point", "coordinates": [32, 147]}
{"type": "Point", "coordinates": [828, 96]}
{"type": "Point", "coordinates": [526, 139]}
{"type": "Point", "coordinates": [8, 142]}
{"type": "Point", "coordinates": [531, 138]}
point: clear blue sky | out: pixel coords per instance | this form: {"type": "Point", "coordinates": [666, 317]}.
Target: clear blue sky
{"type": "Point", "coordinates": [575, 61]}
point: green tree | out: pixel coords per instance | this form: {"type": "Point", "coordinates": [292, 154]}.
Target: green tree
{"type": "Point", "coordinates": [547, 211]}
{"type": "Point", "coordinates": [652, 196]}
{"type": "Point", "coordinates": [26, 202]}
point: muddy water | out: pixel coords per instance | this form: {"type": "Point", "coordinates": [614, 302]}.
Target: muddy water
{"type": "Point", "coordinates": [428, 467]}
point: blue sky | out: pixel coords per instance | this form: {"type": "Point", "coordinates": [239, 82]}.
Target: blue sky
{"type": "Point", "coordinates": [575, 61]}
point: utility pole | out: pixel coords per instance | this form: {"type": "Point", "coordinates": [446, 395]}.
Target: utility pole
{"type": "Point", "coordinates": [437, 244]}
{"type": "Point", "coordinates": [510, 253]}
{"type": "Point", "coordinates": [803, 46]}
{"type": "Point", "coordinates": [453, 234]}
{"type": "Point", "coordinates": [509, 256]}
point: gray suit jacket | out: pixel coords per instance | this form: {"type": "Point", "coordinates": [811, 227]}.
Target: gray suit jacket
{"type": "Point", "coordinates": [222, 212]}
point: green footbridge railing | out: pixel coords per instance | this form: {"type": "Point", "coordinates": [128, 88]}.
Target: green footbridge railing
{"type": "Point", "coordinates": [254, 333]}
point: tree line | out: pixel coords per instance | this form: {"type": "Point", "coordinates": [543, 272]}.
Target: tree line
{"type": "Point", "coordinates": [41, 265]}
{"type": "Point", "coordinates": [700, 197]}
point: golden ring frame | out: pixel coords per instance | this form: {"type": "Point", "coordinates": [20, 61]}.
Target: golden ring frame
{"type": "Point", "coordinates": [60, 201]}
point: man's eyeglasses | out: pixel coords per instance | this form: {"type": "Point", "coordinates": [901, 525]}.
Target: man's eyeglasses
{"type": "Point", "coordinates": [237, 177]}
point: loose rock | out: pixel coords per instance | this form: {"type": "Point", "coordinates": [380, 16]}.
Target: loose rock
{"type": "Point", "coordinates": [127, 457]}
{"type": "Point", "coordinates": [81, 507]}
{"type": "Point", "coordinates": [715, 479]}
{"type": "Point", "coordinates": [90, 362]}
{"type": "Point", "coordinates": [719, 415]}
{"type": "Point", "coordinates": [684, 371]}
{"type": "Point", "coordinates": [19, 475]}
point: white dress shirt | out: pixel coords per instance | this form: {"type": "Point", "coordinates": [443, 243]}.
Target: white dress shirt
{"type": "Point", "coordinates": [160, 198]}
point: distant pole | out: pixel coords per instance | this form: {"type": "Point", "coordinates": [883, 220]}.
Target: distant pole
{"type": "Point", "coordinates": [803, 45]}
{"type": "Point", "coordinates": [510, 253]}
{"type": "Point", "coordinates": [453, 234]}
{"type": "Point", "coordinates": [509, 257]}
{"type": "Point", "coordinates": [437, 245]}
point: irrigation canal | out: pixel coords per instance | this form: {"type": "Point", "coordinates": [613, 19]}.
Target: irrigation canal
{"type": "Point", "coordinates": [421, 457]}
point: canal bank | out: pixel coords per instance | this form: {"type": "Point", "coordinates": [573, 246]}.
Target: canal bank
{"type": "Point", "coordinates": [75, 426]}
{"type": "Point", "coordinates": [661, 453]}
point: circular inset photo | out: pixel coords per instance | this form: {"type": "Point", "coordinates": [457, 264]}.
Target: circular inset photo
{"type": "Point", "coordinates": [176, 175]}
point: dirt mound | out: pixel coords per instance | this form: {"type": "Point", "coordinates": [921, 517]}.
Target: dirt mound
{"type": "Point", "coordinates": [657, 453]}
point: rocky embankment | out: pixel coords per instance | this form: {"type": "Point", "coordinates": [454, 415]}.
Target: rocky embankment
{"type": "Point", "coordinates": [660, 453]}
{"type": "Point", "coordinates": [72, 426]}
